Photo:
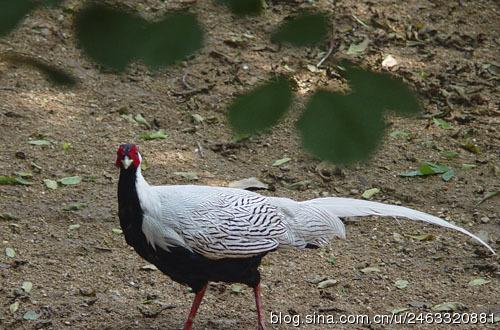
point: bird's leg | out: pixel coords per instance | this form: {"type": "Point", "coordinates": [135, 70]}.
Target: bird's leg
{"type": "Point", "coordinates": [258, 305]}
{"type": "Point", "coordinates": [194, 308]}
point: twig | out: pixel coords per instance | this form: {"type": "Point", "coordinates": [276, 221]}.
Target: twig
{"type": "Point", "coordinates": [328, 53]}
{"type": "Point", "coordinates": [200, 149]}
{"type": "Point", "coordinates": [184, 77]}
{"type": "Point", "coordinates": [360, 21]}
{"type": "Point", "coordinates": [103, 249]}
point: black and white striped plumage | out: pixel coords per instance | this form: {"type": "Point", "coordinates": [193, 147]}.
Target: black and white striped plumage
{"type": "Point", "coordinates": [197, 234]}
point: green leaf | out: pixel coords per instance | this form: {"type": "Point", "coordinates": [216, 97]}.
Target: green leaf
{"type": "Point", "coordinates": [411, 173]}
{"type": "Point", "coordinates": [27, 286]}
{"type": "Point", "coordinates": [357, 49]}
{"type": "Point", "coordinates": [66, 146]}
{"type": "Point", "coordinates": [236, 288]}
{"type": "Point", "coordinates": [31, 315]}
{"type": "Point", "coordinates": [449, 154]}
{"type": "Point", "coordinates": [14, 307]}
{"type": "Point", "coordinates": [158, 135]}
{"type": "Point", "coordinates": [51, 184]}
{"type": "Point", "coordinates": [426, 169]}
{"type": "Point", "coordinates": [437, 168]}
{"type": "Point", "coordinates": [191, 176]}
{"type": "Point", "coordinates": [441, 123]}
{"type": "Point", "coordinates": [368, 194]}
{"type": "Point", "coordinates": [114, 37]}
{"type": "Point", "coordinates": [478, 281]}
{"type": "Point", "coordinates": [306, 29]}
{"type": "Point", "coordinates": [469, 146]}
{"type": "Point", "coordinates": [397, 134]}
{"type": "Point", "coordinates": [70, 180]}
{"type": "Point", "coordinates": [448, 307]}
{"type": "Point", "coordinates": [129, 118]}
{"type": "Point", "coordinates": [23, 181]}
{"type": "Point", "coordinates": [332, 260]}
{"type": "Point", "coordinates": [140, 119]}
{"type": "Point", "coordinates": [8, 180]}
{"type": "Point", "coordinates": [281, 161]}
{"type": "Point", "coordinates": [40, 142]}
{"type": "Point", "coordinates": [75, 206]}
{"type": "Point", "coordinates": [340, 128]}
{"type": "Point", "coordinates": [446, 176]}
{"type": "Point", "coordinates": [10, 252]}
{"type": "Point", "coordinates": [430, 169]}
{"type": "Point", "coordinates": [117, 231]}
{"type": "Point", "coordinates": [468, 166]}
{"type": "Point", "coordinates": [401, 284]}
{"type": "Point", "coordinates": [261, 108]}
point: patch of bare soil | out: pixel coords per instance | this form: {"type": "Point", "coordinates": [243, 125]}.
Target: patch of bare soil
{"type": "Point", "coordinates": [88, 278]}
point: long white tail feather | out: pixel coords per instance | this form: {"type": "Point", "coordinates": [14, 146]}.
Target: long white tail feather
{"type": "Point", "coordinates": [349, 207]}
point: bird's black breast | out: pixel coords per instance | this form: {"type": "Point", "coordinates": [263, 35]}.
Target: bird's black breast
{"type": "Point", "coordinates": [180, 264]}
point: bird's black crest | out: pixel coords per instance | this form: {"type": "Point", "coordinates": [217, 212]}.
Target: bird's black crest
{"type": "Point", "coordinates": [127, 147]}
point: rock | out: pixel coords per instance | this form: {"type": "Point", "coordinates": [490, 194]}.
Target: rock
{"type": "Point", "coordinates": [87, 292]}
{"type": "Point", "coordinates": [389, 62]}
{"type": "Point", "coordinates": [485, 219]}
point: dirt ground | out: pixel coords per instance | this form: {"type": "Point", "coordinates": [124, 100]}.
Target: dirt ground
{"type": "Point", "coordinates": [88, 278]}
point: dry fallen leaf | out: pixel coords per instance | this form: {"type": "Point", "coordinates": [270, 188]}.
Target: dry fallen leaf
{"type": "Point", "coordinates": [478, 281]}
{"type": "Point", "coordinates": [448, 307]}
{"type": "Point", "coordinates": [327, 283]}
{"type": "Point", "coordinates": [368, 194]}
{"type": "Point", "coordinates": [401, 284]}
{"type": "Point", "coordinates": [27, 286]}
{"type": "Point", "coordinates": [368, 270]}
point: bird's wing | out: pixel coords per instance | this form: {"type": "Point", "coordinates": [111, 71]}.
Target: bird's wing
{"type": "Point", "coordinates": [229, 226]}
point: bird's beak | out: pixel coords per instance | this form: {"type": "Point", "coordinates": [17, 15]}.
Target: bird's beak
{"type": "Point", "coordinates": [126, 162]}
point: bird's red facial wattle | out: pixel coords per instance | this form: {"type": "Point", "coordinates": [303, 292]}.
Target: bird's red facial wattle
{"type": "Point", "coordinates": [126, 155]}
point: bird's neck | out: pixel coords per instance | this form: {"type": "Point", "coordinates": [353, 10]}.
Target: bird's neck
{"type": "Point", "coordinates": [129, 205]}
